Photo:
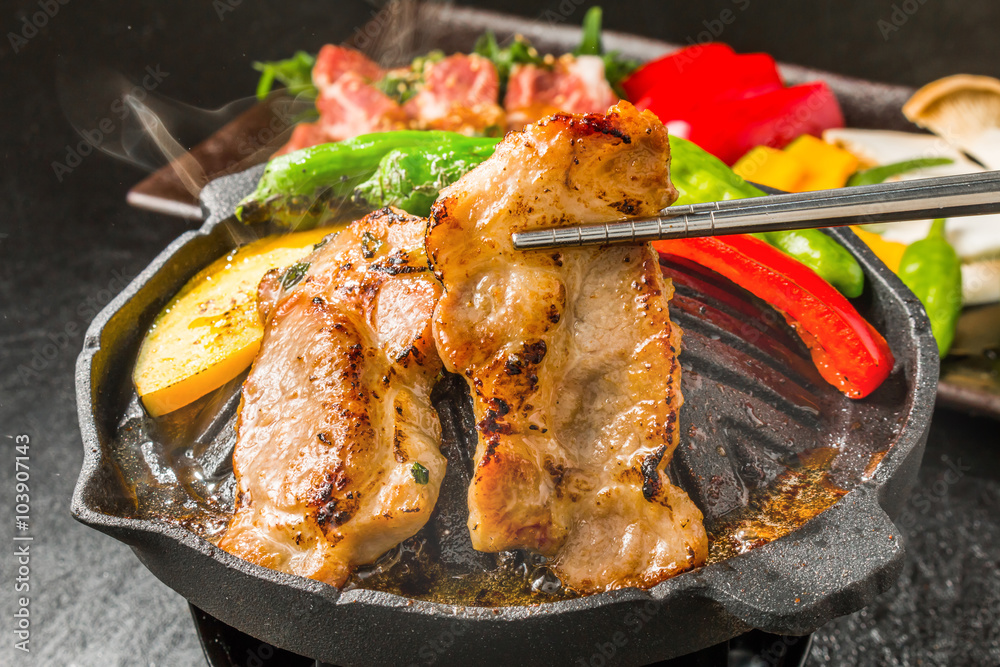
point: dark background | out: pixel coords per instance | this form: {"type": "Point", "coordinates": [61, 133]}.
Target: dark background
{"type": "Point", "coordinates": [68, 243]}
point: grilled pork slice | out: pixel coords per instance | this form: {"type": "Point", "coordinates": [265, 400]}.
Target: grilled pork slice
{"type": "Point", "coordinates": [570, 355]}
{"type": "Point", "coordinates": [337, 456]}
{"type": "Point", "coordinates": [458, 93]}
{"type": "Point", "coordinates": [573, 84]}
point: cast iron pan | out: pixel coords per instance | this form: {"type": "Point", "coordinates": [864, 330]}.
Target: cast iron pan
{"type": "Point", "coordinates": [754, 411]}
{"type": "Point", "coordinates": [224, 646]}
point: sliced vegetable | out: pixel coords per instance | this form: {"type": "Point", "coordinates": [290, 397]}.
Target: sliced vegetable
{"type": "Point", "coordinates": [933, 272]}
{"type": "Point", "coordinates": [211, 330]}
{"type": "Point", "coordinates": [964, 110]}
{"type": "Point", "coordinates": [848, 352]}
{"type": "Point", "coordinates": [890, 252]}
{"type": "Point", "coordinates": [770, 119]}
{"type": "Point", "coordinates": [875, 147]}
{"type": "Point", "coordinates": [295, 73]}
{"type": "Point", "coordinates": [884, 172]}
{"type": "Point", "coordinates": [301, 189]}
{"type": "Point", "coordinates": [825, 166]}
{"type": "Point", "coordinates": [412, 179]}
{"type": "Point", "coordinates": [707, 73]}
{"type": "Point", "coordinates": [805, 164]}
{"type": "Point", "coordinates": [669, 68]}
{"type": "Point", "coordinates": [728, 103]}
{"type": "Point", "coordinates": [700, 177]}
{"type": "Point", "coordinates": [821, 253]}
{"type": "Point", "coordinates": [771, 167]}
{"type": "Point", "coordinates": [981, 280]}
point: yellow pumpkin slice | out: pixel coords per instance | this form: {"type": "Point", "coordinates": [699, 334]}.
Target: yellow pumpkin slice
{"type": "Point", "coordinates": [210, 331]}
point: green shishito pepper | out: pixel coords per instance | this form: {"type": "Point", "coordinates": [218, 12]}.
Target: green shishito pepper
{"type": "Point", "coordinates": [411, 179]}
{"type": "Point", "coordinates": [299, 190]}
{"type": "Point", "coordinates": [408, 168]}
{"type": "Point", "coordinates": [933, 272]}
{"type": "Point", "coordinates": [701, 177]}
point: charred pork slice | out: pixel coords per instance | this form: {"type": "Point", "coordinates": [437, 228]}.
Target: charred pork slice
{"type": "Point", "coordinates": [337, 456]}
{"type": "Point", "coordinates": [570, 355]}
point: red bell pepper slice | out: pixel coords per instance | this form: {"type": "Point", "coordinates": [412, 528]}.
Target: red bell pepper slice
{"type": "Point", "coordinates": [848, 352]}
{"type": "Point", "coordinates": [703, 85]}
{"type": "Point", "coordinates": [728, 103]}
{"type": "Point", "coordinates": [693, 63]}
{"type": "Point", "coordinates": [729, 129]}
{"type": "Point", "coordinates": [774, 119]}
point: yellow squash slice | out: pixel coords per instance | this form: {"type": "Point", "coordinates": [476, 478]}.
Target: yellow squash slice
{"type": "Point", "coordinates": [210, 331]}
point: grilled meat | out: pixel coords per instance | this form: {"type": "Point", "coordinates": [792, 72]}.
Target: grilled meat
{"type": "Point", "coordinates": [348, 102]}
{"type": "Point", "coordinates": [337, 456]}
{"type": "Point", "coordinates": [458, 93]}
{"type": "Point", "coordinates": [573, 84]}
{"type": "Point", "coordinates": [333, 62]}
{"type": "Point", "coordinates": [570, 356]}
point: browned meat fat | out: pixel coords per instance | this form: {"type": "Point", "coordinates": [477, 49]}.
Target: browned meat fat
{"type": "Point", "coordinates": [570, 355]}
{"type": "Point", "coordinates": [337, 457]}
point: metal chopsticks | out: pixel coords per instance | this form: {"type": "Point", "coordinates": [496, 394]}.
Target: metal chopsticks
{"type": "Point", "coordinates": [947, 196]}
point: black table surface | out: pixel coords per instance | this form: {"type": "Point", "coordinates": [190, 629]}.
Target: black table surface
{"type": "Point", "coordinates": [68, 243]}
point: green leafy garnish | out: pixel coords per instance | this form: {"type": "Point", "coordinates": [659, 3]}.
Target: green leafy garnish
{"type": "Point", "coordinates": [518, 52]}
{"type": "Point", "coordinates": [616, 67]}
{"type": "Point", "coordinates": [591, 45]}
{"type": "Point", "coordinates": [294, 274]}
{"type": "Point", "coordinates": [884, 172]}
{"type": "Point", "coordinates": [295, 73]}
{"type": "Point", "coordinates": [399, 85]}
{"type": "Point", "coordinates": [421, 475]}
{"type": "Point", "coordinates": [419, 62]}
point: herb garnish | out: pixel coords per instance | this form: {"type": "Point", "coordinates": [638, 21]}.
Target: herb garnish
{"type": "Point", "coordinates": [421, 475]}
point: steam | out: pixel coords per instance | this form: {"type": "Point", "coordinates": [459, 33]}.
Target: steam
{"type": "Point", "coordinates": [131, 121]}
{"type": "Point", "coordinates": [190, 172]}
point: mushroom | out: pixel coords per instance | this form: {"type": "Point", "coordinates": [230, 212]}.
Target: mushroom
{"type": "Point", "coordinates": [964, 110]}
{"type": "Point", "coordinates": [875, 147]}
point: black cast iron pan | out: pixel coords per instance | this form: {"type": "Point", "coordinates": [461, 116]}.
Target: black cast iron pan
{"type": "Point", "coordinates": [755, 411]}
